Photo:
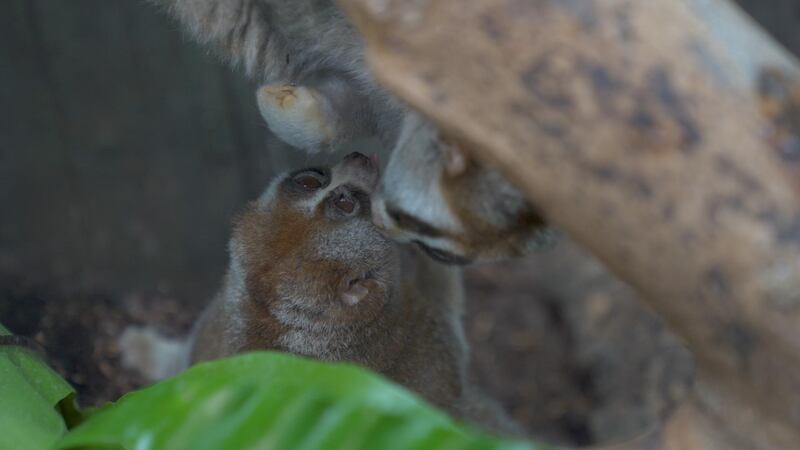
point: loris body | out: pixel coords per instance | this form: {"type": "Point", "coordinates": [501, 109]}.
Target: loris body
{"type": "Point", "coordinates": [311, 275]}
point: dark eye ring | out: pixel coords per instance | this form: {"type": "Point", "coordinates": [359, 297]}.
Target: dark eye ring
{"type": "Point", "coordinates": [310, 180]}
{"type": "Point", "coordinates": [345, 204]}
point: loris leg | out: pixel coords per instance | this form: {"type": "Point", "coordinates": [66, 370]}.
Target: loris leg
{"type": "Point", "coordinates": [324, 110]}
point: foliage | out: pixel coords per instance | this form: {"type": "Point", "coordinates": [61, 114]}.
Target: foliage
{"type": "Point", "coordinates": [32, 400]}
{"type": "Point", "coordinates": [276, 401]}
{"type": "Point", "coordinates": [253, 401]}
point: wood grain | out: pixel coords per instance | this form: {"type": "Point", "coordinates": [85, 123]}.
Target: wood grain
{"type": "Point", "coordinates": [640, 129]}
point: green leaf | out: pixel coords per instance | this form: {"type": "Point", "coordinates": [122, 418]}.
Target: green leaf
{"type": "Point", "coordinates": [31, 398]}
{"type": "Point", "coordinates": [276, 401]}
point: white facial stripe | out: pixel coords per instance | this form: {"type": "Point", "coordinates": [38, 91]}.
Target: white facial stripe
{"type": "Point", "coordinates": [426, 203]}
{"type": "Point", "coordinates": [269, 194]}
{"type": "Point", "coordinates": [412, 180]}
{"type": "Point", "coordinates": [308, 205]}
{"type": "Point", "coordinates": [442, 244]}
{"type": "Point", "coordinates": [339, 176]}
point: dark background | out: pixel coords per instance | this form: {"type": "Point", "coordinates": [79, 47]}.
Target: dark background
{"type": "Point", "coordinates": [126, 149]}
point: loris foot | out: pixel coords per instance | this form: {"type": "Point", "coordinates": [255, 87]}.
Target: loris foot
{"type": "Point", "coordinates": [296, 114]}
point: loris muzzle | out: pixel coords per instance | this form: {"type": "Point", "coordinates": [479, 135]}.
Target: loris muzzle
{"type": "Point", "coordinates": [308, 248]}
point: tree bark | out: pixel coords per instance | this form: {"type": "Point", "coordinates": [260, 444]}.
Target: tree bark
{"type": "Point", "coordinates": [664, 136]}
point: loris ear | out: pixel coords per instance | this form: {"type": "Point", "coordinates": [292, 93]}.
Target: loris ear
{"type": "Point", "coordinates": [297, 115]}
{"type": "Point", "coordinates": [455, 161]}
{"type": "Point", "coordinates": [357, 292]}
{"type": "Point", "coordinates": [353, 295]}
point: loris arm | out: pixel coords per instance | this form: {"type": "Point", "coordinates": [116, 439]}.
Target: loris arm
{"type": "Point", "coordinates": [275, 41]}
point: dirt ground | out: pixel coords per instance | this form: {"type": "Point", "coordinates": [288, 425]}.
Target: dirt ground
{"type": "Point", "coordinates": [569, 352]}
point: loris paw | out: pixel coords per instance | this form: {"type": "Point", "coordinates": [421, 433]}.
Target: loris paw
{"type": "Point", "coordinates": [296, 114]}
{"type": "Point", "coordinates": [154, 356]}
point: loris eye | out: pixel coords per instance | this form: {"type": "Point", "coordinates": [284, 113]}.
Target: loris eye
{"type": "Point", "coordinates": [345, 204]}
{"type": "Point", "coordinates": [308, 180]}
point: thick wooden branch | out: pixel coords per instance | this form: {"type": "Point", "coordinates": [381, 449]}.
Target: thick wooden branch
{"type": "Point", "coordinates": [660, 134]}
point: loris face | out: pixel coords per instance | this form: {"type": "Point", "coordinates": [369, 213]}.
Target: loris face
{"type": "Point", "coordinates": [308, 249]}
{"type": "Point", "coordinates": [456, 210]}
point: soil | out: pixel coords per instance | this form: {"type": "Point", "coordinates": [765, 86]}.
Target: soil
{"type": "Point", "coordinates": [570, 352]}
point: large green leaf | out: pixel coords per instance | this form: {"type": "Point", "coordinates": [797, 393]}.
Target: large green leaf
{"type": "Point", "coordinates": [31, 399]}
{"type": "Point", "coordinates": [275, 401]}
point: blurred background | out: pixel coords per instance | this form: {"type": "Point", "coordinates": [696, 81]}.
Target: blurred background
{"type": "Point", "coordinates": [126, 150]}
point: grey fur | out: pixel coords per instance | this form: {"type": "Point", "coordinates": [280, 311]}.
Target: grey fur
{"type": "Point", "coordinates": [303, 42]}
{"type": "Point", "coordinates": [312, 44]}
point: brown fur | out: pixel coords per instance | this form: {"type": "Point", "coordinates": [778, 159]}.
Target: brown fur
{"type": "Point", "coordinates": [290, 264]}
{"type": "Point", "coordinates": [480, 236]}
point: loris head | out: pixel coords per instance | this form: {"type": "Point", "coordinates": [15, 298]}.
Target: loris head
{"type": "Point", "coordinates": [455, 209]}
{"type": "Point", "coordinates": [308, 251]}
